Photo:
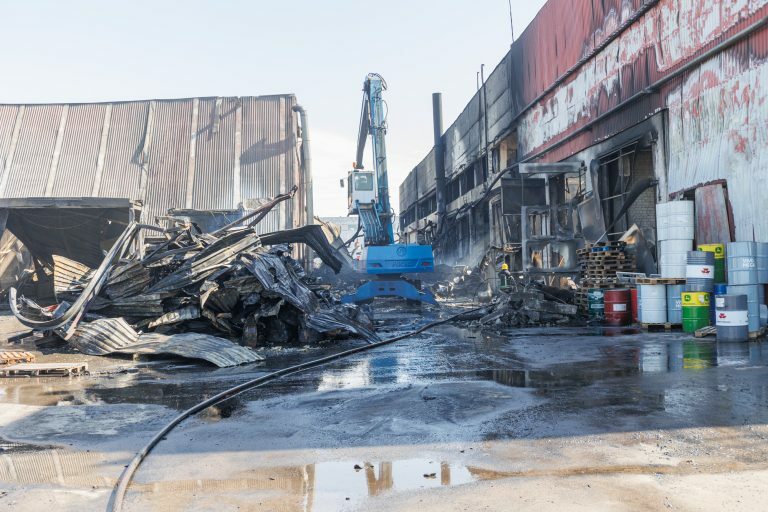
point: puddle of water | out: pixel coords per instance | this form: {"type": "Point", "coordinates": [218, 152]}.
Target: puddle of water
{"type": "Point", "coordinates": [338, 484]}
{"type": "Point", "coordinates": [319, 487]}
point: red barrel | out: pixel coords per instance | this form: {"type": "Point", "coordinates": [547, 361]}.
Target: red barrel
{"type": "Point", "coordinates": [633, 299]}
{"type": "Point", "coordinates": [617, 307]}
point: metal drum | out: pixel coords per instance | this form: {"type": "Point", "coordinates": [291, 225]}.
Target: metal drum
{"type": "Point", "coordinates": [653, 303]}
{"type": "Point", "coordinates": [762, 262]}
{"type": "Point", "coordinates": [742, 263]}
{"type": "Point", "coordinates": [695, 310]}
{"type": "Point", "coordinates": [673, 257]}
{"type": "Point", "coordinates": [633, 299]}
{"type": "Point", "coordinates": [595, 303]}
{"type": "Point", "coordinates": [617, 307]}
{"type": "Point", "coordinates": [732, 318]}
{"type": "Point", "coordinates": [719, 251]}
{"type": "Point", "coordinates": [754, 293]}
{"type": "Point", "coordinates": [720, 289]}
{"type": "Point", "coordinates": [674, 220]}
{"type": "Point", "coordinates": [675, 303]}
{"type": "Point", "coordinates": [700, 270]}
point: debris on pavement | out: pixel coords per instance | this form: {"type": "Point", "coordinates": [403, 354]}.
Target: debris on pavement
{"type": "Point", "coordinates": [16, 356]}
{"type": "Point", "coordinates": [535, 306]}
{"type": "Point", "coordinates": [193, 294]}
{"type": "Point", "coordinates": [43, 369]}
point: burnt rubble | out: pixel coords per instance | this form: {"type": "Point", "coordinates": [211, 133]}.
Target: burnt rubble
{"type": "Point", "coordinates": [225, 284]}
{"type": "Point", "coordinates": [533, 306]}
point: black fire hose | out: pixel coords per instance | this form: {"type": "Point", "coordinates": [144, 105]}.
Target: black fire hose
{"type": "Point", "coordinates": [121, 487]}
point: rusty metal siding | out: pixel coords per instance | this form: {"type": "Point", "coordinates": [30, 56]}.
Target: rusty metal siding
{"type": "Point", "coordinates": [121, 176]}
{"type": "Point", "coordinates": [669, 35]}
{"type": "Point", "coordinates": [215, 154]}
{"type": "Point", "coordinates": [718, 129]}
{"type": "Point", "coordinates": [76, 169]}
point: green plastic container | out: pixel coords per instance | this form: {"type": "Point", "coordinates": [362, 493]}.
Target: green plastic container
{"type": "Point", "coordinates": [696, 311]}
{"type": "Point", "coordinates": [596, 304]}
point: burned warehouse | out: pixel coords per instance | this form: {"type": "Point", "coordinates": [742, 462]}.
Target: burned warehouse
{"type": "Point", "coordinates": [599, 112]}
{"type": "Point", "coordinates": [565, 308]}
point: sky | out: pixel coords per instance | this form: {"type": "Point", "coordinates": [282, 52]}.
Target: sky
{"type": "Point", "coordinates": [320, 50]}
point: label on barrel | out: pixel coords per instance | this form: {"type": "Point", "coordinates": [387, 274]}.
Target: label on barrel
{"type": "Point", "coordinates": [597, 306]}
{"type": "Point", "coordinates": [732, 318]}
{"type": "Point", "coordinates": [745, 262]}
{"type": "Point", "coordinates": [619, 307]}
{"type": "Point", "coordinates": [695, 299]}
{"type": "Point", "coordinates": [718, 249]}
{"type": "Point", "coordinates": [719, 302]}
{"type": "Point", "coordinates": [702, 271]}
{"type": "Point", "coordinates": [678, 304]}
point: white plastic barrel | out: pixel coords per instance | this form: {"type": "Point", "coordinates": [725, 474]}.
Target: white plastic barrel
{"type": "Point", "coordinates": [673, 257]}
{"type": "Point", "coordinates": [653, 303]}
{"type": "Point", "coordinates": [674, 220]}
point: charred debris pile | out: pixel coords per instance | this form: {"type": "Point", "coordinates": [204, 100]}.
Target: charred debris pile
{"type": "Point", "coordinates": [531, 306]}
{"type": "Point", "coordinates": [180, 288]}
{"type": "Point", "coordinates": [516, 305]}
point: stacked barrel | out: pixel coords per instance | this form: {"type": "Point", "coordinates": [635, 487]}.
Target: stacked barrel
{"type": "Point", "coordinates": [674, 232]}
{"type": "Point", "coordinates": [744, 279]}
{"type": "Point", "coordinates": [736, 308]}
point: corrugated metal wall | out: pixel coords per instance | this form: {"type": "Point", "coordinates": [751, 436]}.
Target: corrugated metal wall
{"type": "Point", "coordinates": [580, 59]}
{"type": "Point", "coordinates": [203, 153]}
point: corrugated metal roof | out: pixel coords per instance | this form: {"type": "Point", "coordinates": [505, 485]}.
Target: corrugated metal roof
{"type": "Point", "coordinates": [203, 153]}
{"type": "Point", "coordinates": [114, 335]}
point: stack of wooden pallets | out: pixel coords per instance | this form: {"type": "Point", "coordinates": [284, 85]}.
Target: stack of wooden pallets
{"type": "Point", "coordinates": [599, 264]}
{"type": "Point", "coordinates": [602, 260]}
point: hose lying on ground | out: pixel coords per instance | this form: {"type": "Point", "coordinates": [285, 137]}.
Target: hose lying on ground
{"type": "Point", "coordinates": [121, 488]}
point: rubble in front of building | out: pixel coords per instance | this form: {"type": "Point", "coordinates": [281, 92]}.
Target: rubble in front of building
{"type": "Point", "coordinates": [183, 291]}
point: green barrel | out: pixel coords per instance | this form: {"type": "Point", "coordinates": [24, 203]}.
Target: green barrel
{"type": "Point", "coordinates": [695, 310]}
{"type": "Point", "coordinates": [719, 250]}
{"type": "Point", "coordinates": [596, 304]}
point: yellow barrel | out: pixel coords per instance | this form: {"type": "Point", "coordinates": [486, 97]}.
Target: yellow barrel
{"type": "Point", "coordinates": [695, 310]}
{"type": "Point", "coordinates": [719, 250]}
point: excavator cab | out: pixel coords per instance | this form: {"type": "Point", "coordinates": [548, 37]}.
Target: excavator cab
{"type": "Point", "coordinates": [361, 189]}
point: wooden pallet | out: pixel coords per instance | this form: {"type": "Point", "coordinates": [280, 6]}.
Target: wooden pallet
{"type": "Point", "coordinates": [607, 254]}
{"type": "Point", "coordinates": [659, 280]}
{"type": "Point", "coordinates": [709, 330]}
{"type": "Point", "coordinates": [660, 327]}
{"type": "Point", "coordinates": [16, 356]}
{"type": "Point", "coordinates": [43, 369]}
{"type": "Point", "coordinates": [599, 283]}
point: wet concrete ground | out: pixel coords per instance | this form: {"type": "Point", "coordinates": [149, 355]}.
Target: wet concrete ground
{"type": "Point", "coordinates": [535, 419]}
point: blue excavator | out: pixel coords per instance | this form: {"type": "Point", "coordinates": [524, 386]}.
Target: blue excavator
{"type": "Point", "coordinates": [385, 261]}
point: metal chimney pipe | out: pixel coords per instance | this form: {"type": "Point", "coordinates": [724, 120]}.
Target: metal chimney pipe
{"type": "Point", "coordinates": [437, 123]}
{"type": "Point", "coordinates": [306, 163]}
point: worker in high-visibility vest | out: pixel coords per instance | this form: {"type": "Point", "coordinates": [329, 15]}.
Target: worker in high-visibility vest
{"type": "Point", "coordinates": [504, 275]}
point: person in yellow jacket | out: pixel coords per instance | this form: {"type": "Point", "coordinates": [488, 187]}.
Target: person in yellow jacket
{"type": "Point", "coordinates": [504, 275]}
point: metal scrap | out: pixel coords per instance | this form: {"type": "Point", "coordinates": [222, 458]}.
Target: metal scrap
{"type": "Point", "coordinates": [115, 335]}
{"type": "Point", "coordinates": [195, 288]}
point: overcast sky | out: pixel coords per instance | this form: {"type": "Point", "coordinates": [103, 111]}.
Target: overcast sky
{"type": "Point", "coordinates": [83, 51]}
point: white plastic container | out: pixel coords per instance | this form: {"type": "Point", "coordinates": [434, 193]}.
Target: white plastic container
{"type": "Point", "coordinates": [673, 257]}
{"type": "Point", "coordinates": [653, 303]}
{"type": "Point", "coordinates": [674, 221]}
